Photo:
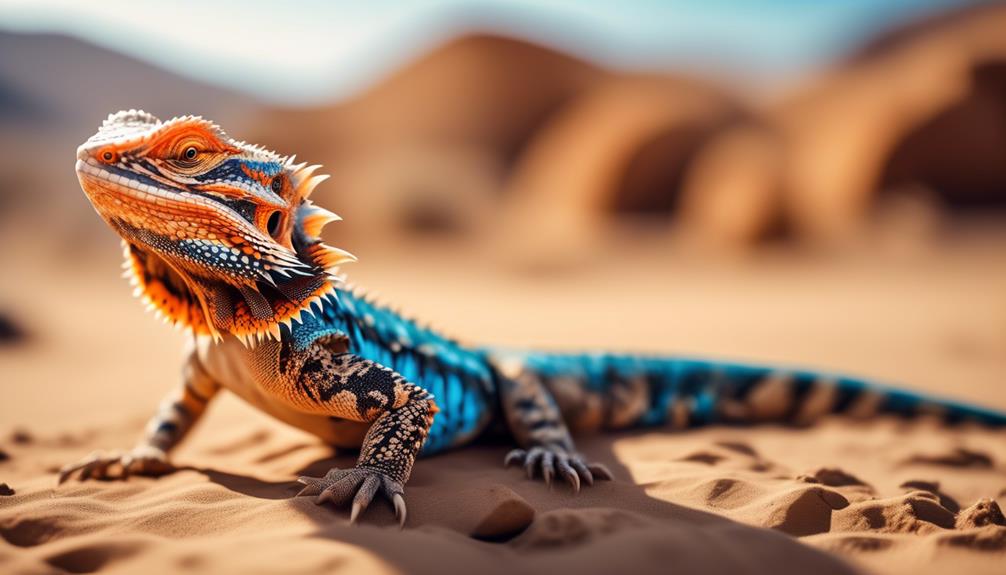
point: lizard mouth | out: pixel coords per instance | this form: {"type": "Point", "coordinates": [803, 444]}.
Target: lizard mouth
{"type": "Point", "coordinates": [125, 202]}
{"type": "Point", "coordinates": [103, 183]}
{"type": "Point", "coordinates": [109, 179]}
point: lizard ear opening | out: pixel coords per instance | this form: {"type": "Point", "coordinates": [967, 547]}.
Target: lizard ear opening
{"type": "Point", "coordinates": [272, 224]}
{"type": "Point", "coordinates": [309, 221]}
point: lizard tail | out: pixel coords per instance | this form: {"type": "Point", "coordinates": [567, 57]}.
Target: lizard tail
{"type": "Point", "coordinates": [622, 391]}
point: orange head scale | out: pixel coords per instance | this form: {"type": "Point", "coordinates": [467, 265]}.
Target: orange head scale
{"type": "Point", "coordinates": [219, 235]}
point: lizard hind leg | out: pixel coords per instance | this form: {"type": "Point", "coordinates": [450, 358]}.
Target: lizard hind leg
{"type": "Point", "coordinates": [536, 423]}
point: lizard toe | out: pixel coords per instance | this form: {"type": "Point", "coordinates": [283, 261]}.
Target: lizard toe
{"type": "Point", "coordinates": [69, 469]}
{"type": "Point", "coordinates": [550, 461]}
{"type": "Point", "coordinates": [532, 461]}
{"type": "Point", "coordinates": [601, 471]}
{"type": "Point", "coordinates": [339, 489]}
{"type": "Point", "coordinates": [569, 474]}
{"type": "Point", "coordinates": [548, 467]}
{"type": "Point", "coordinates": [364, 495]}
{"type": "Point", "coordinates": [97, 468]}
{"type": "Point", "coordinates": [514, 456]}
{"type": "Point", "coordinates": [313, 486]}
{"type": "Point", "coordinates": [582, 471]}
{"type": "Point", "coordinates": [144, 460]}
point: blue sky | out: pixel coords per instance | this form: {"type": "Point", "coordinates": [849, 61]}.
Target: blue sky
{"type": "Point", "coordinates": [315, 50]}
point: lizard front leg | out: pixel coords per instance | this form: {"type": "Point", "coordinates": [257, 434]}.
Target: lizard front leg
{"type": "Point", "coordinates": [174, 419]}
{"type": "Point", "coordinates": [535, 421]}
{"type": "Point", "coordinates": [347, 386]}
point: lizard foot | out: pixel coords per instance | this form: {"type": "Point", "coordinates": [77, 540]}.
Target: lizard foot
{"type": "Point", "coordinates": [359, 484]}
{"type": "Point", "coordinates": [143, 460]}
{"type": "Point", "coordinates": [549, 460]}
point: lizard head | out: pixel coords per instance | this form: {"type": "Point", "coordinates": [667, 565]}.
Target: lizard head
{"type": "Point", "coordinates": [219, 235]}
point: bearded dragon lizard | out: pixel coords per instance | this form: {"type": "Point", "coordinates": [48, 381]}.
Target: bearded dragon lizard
{"type": "Point", "coordinates": [221, 237]}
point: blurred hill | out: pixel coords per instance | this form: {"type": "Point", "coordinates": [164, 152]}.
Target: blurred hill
{"type": "Point", "coordinates": [916, 118]}
{"type": "Point", "coordinates": [615, 161]}
{"type": "Point", "coordinates": [510, 139]}
{"type": "Point", "coordinates": [477, 90]}
{"type": "Point", "coordinates": [54, 93]}
{"type": "Point", "coordinates": [428, 148]}
{"type": "Point", "coordinates": [495, 135]}
{"type": "Point", "coordinates": [501, 139]}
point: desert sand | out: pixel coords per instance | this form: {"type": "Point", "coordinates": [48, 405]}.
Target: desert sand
{"type": "Point", "coordinates": [840, 497]}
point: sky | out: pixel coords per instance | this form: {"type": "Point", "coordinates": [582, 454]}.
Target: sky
{"type": "Point", "coordinates": [314, 50]}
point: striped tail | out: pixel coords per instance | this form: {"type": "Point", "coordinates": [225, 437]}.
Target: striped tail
{"type": "Point", "coordinates": [623, 391]}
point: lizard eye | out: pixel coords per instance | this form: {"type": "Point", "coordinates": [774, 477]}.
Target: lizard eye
{"type": "Point", "coordinates": [107, 156]}
{"type": "Point", "coordinates": [190, 153]}
{"type": "Point", "coordinates": [277, 185]}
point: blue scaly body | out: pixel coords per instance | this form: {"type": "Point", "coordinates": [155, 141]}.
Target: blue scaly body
{"type": "Point", "coordinates": [464, 379]}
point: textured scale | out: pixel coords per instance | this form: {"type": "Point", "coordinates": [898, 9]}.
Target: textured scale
{"type": "Point", "coordinates": [460, 378]}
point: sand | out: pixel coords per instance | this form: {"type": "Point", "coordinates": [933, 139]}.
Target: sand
{"type": "Point", "coordinates": [840, 497]}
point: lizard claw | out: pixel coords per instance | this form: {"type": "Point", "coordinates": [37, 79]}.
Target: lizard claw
{"type": "Point", "coordinates": [400, 511]}
{"type": "Point", "coordinates": [359, 486]}
{"type": "Point", "coordinates": [514, 456]}
{"type": "Point", "coordinates": [315, 485]}
{"type": "Point", "coordinates": [548, 468]}
{"type": "Point", "coordinates": [357, 507]}
{"type": "Point", "coordinates": [550, 461]}
{"type": "Point", "coordinates": [601, 471]}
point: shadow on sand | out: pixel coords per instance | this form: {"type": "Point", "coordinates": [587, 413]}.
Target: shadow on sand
{"type": "Point", "coordinates": [453, 495]}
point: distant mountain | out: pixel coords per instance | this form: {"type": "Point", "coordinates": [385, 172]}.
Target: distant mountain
{"type": "Point", "coordinates": [443, 128]}
{"type": "Point", "coordinates": [430, 145]}
{"type": "Point", "coordinates": [919, 111]}
{"type": "Point", "coordinates": [15, 106]}
{"type": "Point", "coordinates": [80, 83]}
{"type": "Point", "coordinates": [54, 93]}
{"type": "Point", "coordinates": [451, 140]}
{"type": "Point", "coordinates": [476, 90]}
